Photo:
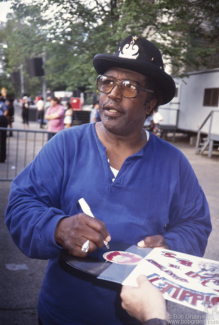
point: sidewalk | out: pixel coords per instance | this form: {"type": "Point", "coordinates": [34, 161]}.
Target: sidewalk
{"type": "Point", "coordinates": [17, 124]}
{"type": "Point", "coordinates": [20, 288]}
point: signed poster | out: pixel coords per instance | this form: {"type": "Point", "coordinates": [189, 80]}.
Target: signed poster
{"type": "Point", "coordinates": [182, 278]}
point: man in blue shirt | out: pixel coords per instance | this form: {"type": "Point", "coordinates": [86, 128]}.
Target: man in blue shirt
{"type": "Point", "coordinates": [141, 190]}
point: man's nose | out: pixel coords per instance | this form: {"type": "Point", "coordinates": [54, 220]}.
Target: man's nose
{"type": "Point", "coordinates": [116, 93]}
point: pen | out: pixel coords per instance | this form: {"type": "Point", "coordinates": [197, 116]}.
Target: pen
{"type": "Point", "coordinates": [86, 209]}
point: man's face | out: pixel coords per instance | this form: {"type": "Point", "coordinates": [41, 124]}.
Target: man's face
{"type": "Point", "coordinates": [120, 115]}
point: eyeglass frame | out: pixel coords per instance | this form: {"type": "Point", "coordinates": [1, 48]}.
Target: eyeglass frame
{"type": "Point", "coordinates": [117, 83]}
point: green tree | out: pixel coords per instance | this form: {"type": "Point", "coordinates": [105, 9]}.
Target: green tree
{"type": "Point", "coordinates": [172, 24]}
{"type": "Point", "coordinates": [186, 32]}
{"type": "Point", "coordinates": [24, 38]}
{"type": "Point", "coordinates": [73, 31]}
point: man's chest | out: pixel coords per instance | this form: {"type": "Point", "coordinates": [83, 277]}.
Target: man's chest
{"type": "Point", "coordinates": [131, 205]}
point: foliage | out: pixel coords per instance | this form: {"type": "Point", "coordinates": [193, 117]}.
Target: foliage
{"type": "Point", "coordinates": [73, 31]}
{"type": "Point", "coordinates": [185, 31]}
{"type": "Point", "coordinates": [5, 82]}
{"type": "Point", "coordinates": [25, 39]}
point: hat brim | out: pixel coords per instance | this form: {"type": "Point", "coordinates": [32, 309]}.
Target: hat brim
{"type": "Point", "coordinates": [103, 62]}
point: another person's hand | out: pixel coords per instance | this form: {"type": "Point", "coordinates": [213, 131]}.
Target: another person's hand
{"type": "Point", "coordinates": [72, 232]}
{"type": "Point", "coordinates": [153, 241]}
{"type": "Point", "coordinates": [145, 302]}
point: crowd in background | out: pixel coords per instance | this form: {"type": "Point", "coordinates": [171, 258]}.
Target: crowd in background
{"type": "Point", "coordinates": [53, 113]}
{"type": "Point", "coordinates": [6, 118]}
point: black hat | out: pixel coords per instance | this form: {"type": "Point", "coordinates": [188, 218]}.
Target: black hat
{"type": "Point", "coordinates": [139, 55]}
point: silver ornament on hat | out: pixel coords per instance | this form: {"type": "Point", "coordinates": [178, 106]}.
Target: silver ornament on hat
{"type": "Point", "coordinates": [130, 51]}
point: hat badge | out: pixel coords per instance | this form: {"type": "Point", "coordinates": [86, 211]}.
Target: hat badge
{"type": "Point", "coordinates": [130, 51]}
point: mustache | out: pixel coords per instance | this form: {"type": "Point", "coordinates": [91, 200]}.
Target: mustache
{"type": "Point", "coordinates": [113, 105]}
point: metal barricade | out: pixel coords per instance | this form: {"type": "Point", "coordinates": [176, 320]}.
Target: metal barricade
{"type": "Point", "coordinates": [21, 149]}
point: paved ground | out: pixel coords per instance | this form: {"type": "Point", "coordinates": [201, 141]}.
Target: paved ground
{"type": "Point", "coordinates": [19, 288]}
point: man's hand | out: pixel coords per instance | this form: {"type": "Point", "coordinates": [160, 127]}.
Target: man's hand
{"type": "Point", "coordinates": [153, 241]}
{"type": "Point", "coordinates": [72, 232]}
{"type": "Point", "coordinates": [145, 302]}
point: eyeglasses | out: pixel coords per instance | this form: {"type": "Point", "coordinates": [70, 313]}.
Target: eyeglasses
{"type": "Point", "coordinates": [128, 88]}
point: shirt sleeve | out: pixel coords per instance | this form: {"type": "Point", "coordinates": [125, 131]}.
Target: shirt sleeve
{"type": "Point", "coordinates": [96, 114]}
{"type": "Point", "coordinates": [34, 210]}
{"type": "Point", "coordinates": [189, 217]}
{"type": "Point", "coordinates": [61, 111]}
{"type": "Point", "coordinates": [48, 112]}
{"type": "Point", "coordinates": [3, 106]}
{"type": "Point", "coordinates": [156, 321]}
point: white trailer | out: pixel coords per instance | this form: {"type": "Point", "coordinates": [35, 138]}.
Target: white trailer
{"type": "Point", "coordinates": [196, 97]}
{"type": "Point", "coordinates": [195, 107]}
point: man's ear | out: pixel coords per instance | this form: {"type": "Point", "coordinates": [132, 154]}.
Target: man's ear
{"type": "Point", "coordinates": [150, 106]}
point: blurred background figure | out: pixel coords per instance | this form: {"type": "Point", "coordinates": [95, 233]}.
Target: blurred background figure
{"type": "Point", "coordinates": [95, 115]}
{"type": "Point", "coordinates": [3, 124]}
{"type": "Point", "coordinates": [10, 115]}
{"type": "Point", "coordinates": [29, 100]}
{"type": "Point", "coordinates": [68, 115]}
{"type": "Point", "coordinates": [48, 104]}
{"type": "Point", "coordinates": [25, 112]}
{"type": "Point", "coordinates": [40, 109]}
{"type": "Point", "coordinates": [145, 302]}
{"type": "Point", "coordinates": [149, 123]}
{"type": "Point", "coordinates": [55, 115]}
{"type": "Point", "coordinates": [157, 117]}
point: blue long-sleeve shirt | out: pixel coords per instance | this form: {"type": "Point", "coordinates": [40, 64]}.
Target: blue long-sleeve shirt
{"type": "Point", "coordinates": [155, 192]}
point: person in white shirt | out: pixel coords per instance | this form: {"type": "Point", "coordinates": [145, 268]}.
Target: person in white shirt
{"type": "Point", "coordinates": [68, 115]}
{"type": "Point", "coordinates": [157, 118]}
{"type": "Point", "coordinates": [149, 123]}
{"type": "Point", "coordinates": [40, 109]}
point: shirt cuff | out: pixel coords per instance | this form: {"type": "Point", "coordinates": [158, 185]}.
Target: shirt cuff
{"type": "Point", "coordinates": [156, 321]}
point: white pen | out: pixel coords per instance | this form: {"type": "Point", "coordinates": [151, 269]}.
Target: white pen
{"type": "Point", "coordinates": [86, 209]}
